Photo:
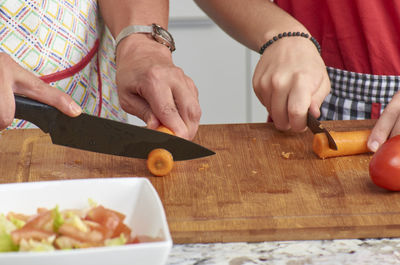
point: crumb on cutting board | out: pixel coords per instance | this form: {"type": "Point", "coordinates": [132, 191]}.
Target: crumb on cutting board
{"type": "Point", "coordinates": [203, 167]}
{"type": "Point", "coordinates": [287, 155]}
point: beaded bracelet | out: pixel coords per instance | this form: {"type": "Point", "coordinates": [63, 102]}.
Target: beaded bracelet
{"type": "Point", "coordinates": [290, 34]}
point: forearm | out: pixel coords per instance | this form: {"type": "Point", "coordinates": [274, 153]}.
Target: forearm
{"type": "Point", "coordinates": [118, 14]}
{"type": "Point", "coordinates": [251, 22]}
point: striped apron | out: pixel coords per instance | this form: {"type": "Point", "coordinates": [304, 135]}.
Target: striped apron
{"type": "Point", "coordinates": [356, 96]}
{"type": "Point", "coordinates": [65, 44]}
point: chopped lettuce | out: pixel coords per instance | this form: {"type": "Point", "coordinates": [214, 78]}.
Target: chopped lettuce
{"type": "Point", "coordinates": [6, 243]}
{"type": "Point", "coordinates": [6, 227]}
{"type": "Point", "coordinates": [117, 241]}
{"type": "Point", "coordinates": [58, 220]}
{"type": "Point", "coordinates": [17, 222]}
{"type": "Point", "coordinates": [37, 246]}
{"type": "Point", "coordinates": [76, 221]}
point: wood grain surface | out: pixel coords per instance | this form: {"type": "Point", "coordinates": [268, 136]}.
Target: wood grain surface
{"type": "Point", "coordinates": [262, 185]}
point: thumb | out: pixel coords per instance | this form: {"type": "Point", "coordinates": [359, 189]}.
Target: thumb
{"type": "Point", "coordinates": [27, 84]}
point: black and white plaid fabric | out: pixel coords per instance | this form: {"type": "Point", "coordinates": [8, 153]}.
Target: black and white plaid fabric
{"type": "Point", "coordinates": [354, 95]}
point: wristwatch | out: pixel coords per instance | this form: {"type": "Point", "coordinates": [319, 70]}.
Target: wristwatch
{"type": "Point", "coordinates": [157, 32]}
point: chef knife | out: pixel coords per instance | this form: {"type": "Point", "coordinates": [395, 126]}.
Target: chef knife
{"type": "Point", "coordinates": [102, 135]}
{"type": "Point", "coordinates": [316, 127]}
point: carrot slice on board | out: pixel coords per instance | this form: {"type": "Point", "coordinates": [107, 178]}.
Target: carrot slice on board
{"type": "Point", "coordinates": [160, 161]}
{"type": "Point", "coordinates": [348, 143]}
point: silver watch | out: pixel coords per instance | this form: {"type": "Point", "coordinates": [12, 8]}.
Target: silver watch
{"type": "Point", "coordinates": [157, 32]}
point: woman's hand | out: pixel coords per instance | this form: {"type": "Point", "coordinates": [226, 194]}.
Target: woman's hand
{"type": "Point", "coordinates": [289, 80]}
{"type": "Point", "coordinates": [15, 79]}
{"type": "Point", "coordinates": [388, 125]}
{"type": "Point", "coordinates": [152, 88]}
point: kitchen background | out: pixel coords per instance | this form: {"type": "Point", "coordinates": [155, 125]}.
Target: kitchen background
{"type": "Point", "coordinates": [221, 68]}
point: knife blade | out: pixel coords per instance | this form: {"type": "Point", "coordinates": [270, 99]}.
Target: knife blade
{"type": "Point", "coordinates": [316, 127]}
{"type": "Point", "coordinates": [102, 135]}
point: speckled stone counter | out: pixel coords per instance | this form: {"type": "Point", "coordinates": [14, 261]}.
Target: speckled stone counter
{"type": "Point", "coordinates": [332, 252]}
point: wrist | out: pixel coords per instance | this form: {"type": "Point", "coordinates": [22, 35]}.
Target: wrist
{"type": "Point", "coordinates": [268, 35]}
{"type": "Point", "coordinates": [287, 35]}
{"type": "Point", "coordinates": [139, 44]}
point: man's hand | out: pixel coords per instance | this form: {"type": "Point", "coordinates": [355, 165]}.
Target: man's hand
{"type": "Point", "coordinates": [15, 79]}
{"type": "Point", "coordinates": [152, 88]}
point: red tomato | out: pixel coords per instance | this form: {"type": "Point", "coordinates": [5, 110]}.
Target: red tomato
{"type": "Point", "coordinates": [107, 218]}
{"type": "Point", "coordinates": [122, 229]}
{"type": "Point", "coordinates": [384, 167]}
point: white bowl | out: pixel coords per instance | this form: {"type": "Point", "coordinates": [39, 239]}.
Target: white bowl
{"type": "Point", "coordinates": [134, 197]}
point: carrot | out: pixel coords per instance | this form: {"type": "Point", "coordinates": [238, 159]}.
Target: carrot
{"type": "Point", "coordinates": [160, 161]}
{"type": "Point", "coordinates": [348, 143]}
{"type": "Point", "coordinates": [164, 129]}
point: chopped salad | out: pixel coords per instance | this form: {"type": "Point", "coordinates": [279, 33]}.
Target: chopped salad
{"type": "Point", "coordinates": [52, 229]}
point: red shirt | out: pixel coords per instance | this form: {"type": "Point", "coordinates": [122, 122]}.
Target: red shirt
{"type": "Point", "coordinates": [355, 35]}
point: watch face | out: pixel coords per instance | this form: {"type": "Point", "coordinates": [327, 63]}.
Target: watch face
{"type": "Point", "coordinates": [163, 36]}
{"type": "Point", "coordinates": [163, 33]}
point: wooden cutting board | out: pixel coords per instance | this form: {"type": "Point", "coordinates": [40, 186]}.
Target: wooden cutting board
{"type": "Point", "coordinates": [249, 191]}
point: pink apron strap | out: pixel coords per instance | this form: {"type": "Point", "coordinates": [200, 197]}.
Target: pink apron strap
{"type": "Point", "coordinates": [77, 68]}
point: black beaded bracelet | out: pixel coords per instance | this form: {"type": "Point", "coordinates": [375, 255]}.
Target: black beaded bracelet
{"type": "Point", "coordinates": [290, 34]}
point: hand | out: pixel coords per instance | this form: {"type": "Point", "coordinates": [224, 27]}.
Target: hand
{"type": "Point", "coordinates": [388, 125]}
{"type": "Point", "coordinates": [289, 80]}
{"type": "Point", "coordinates": [152, 88]}
{"type": "Point", "coordinates": [15, 79]}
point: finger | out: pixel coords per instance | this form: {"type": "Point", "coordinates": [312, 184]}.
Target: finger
{"type": "Point", "coordinates": [261, 86]}
{"type": "Point", "coordinates": [299, 100]}
{"type": "Point", "coordinates": [137, 106]}
{"type": "Point", "coordinates": [27, 84]}
{"type": "Point", "coordinates": [193, 87]}
{"type": "Point", "coordinates": [319, 97]}
{"type": "Point", "coordinates": [307, 93]}
{"type": "Point", "coordinates": [396, 129]}
{"type": "Point", "coordinates": [163, 106]}
{"type": "Point", "coordinates": [7, 103]}
{"type": "Point", "coordinates": [188, 106]}
{"type": "Point", "coordinates": [279, 102]}
{"type": "Point", "coordinates": [386, 125]}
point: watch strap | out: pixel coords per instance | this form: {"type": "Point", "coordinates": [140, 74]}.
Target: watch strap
{"type": "Point", "coordinates": [131, 30]}
{"type": "Point", "coordinates": [157, 32]}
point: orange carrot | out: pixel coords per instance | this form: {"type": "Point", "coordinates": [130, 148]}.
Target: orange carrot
{"type": "Point", "coordinates": [348, 143]}
{"type": "Point", "coordinates": [160, 161]}
{"type": "Point", "coordinates": [164, 129]}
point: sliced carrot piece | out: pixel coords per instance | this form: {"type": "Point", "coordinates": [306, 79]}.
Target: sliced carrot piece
{"type": "Point", "coordinates": [160, 162]}
{"type": "Point", "coordinates": [348, 143]}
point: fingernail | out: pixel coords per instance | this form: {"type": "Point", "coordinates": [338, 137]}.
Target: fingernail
{"type": "Point", "coordinates": [374, 146]}
{"type": "Point", "coordinates": [75, 108]}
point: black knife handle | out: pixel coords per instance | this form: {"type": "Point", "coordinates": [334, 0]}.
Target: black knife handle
{"type": "Point", "coordinates": [40, 114]}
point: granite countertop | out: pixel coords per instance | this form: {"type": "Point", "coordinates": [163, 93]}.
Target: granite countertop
{"type": "Point", "coordinates": [332, 252]}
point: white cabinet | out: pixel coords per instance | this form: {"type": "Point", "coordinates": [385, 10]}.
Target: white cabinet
{"type": "Point", "coordinates": [220, 67]}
